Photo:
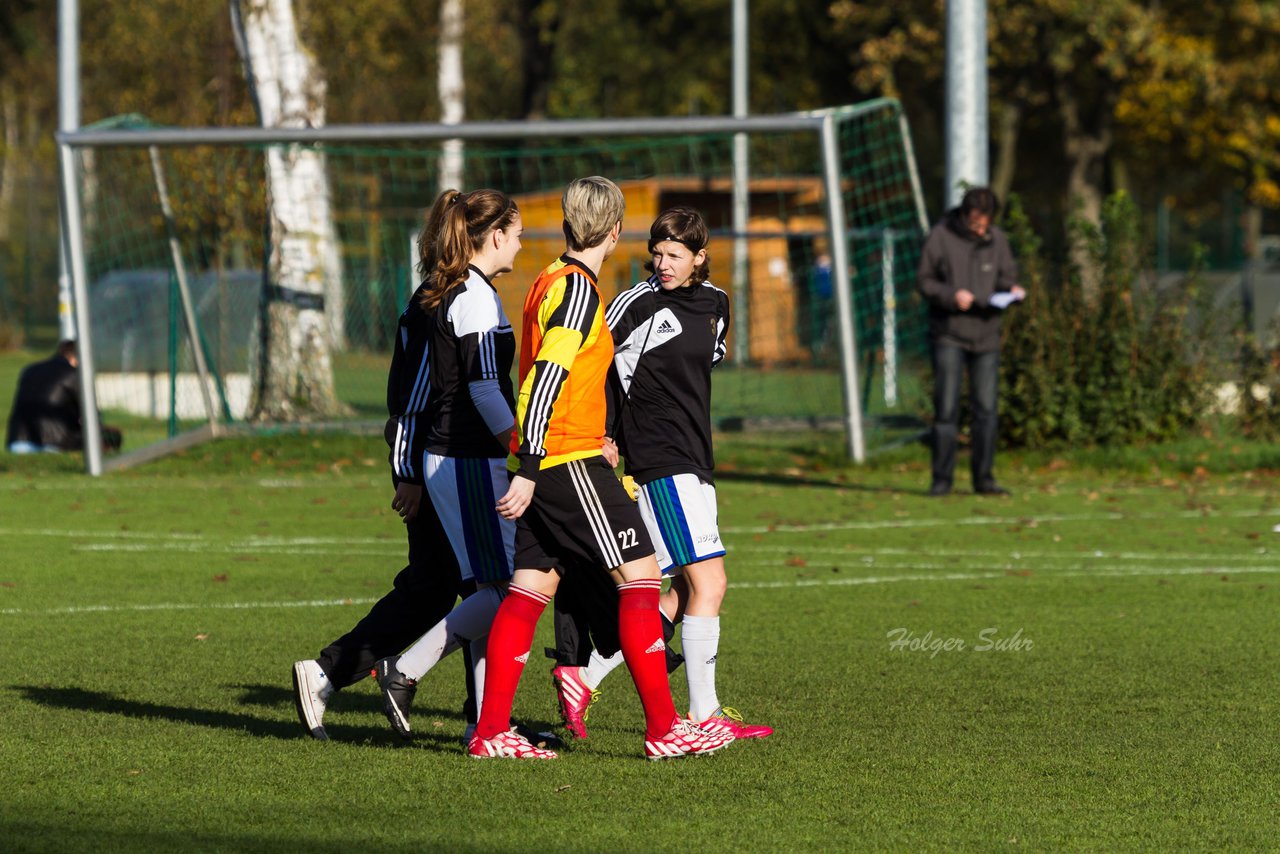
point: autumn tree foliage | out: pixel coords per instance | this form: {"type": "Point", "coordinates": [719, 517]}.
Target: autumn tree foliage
{"type": "Point", "coordinates": [1126, 91]}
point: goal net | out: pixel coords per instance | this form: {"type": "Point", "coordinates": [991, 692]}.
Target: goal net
{"type": "Point", "coordinates": [251, 278]}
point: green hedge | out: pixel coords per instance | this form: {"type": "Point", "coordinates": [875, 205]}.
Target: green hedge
{"type": "Point", "coordinates": [1127, 362]}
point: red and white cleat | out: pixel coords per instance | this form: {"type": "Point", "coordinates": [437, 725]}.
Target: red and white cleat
{"type": "Point", "coordinates": [685, 739]}
{"type": "Point", "coordinates": [729, 720]}
{"type": "Point", "coordinates": [574, 698]}
{"type": "Point", "coordinates": [506, 745]}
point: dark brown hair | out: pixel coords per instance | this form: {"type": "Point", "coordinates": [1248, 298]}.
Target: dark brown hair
{"type": "Point", "coordinates": [982, 200]}
{"type": "Point", "coordinates": [685, 226]}
{"type": "Point", "coordinates": [456, 228]}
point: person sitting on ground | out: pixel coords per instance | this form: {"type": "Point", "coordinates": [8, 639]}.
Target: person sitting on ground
{"type": "Point", "coordinates": [46, 408]}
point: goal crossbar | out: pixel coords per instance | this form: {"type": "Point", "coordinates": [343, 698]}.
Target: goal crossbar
{"type": "Point", "coordinates": [822, 124]}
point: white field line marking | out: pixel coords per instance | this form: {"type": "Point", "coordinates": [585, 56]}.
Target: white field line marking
{"type": "Point", "coordinates": [250, 541]}
{"type": "Point", "coordinates": [187, 606]}
{"type": "Point", "coordinates": [934, 522]}
{"type": "Point", "coordinates": [869, 555]}
{"type": "Point", "coordinates": [309, 546]}
{"type": "Point", "coordinates": [1108, 572]}
{"type": "Point", "coordinates": [742, 556]}
{"type": "Point", "coordinates": [85, 484]}
{"type": "Point", "coordinates": [798, 583]}
{"type": "Point", "coordinates": [931, 522]}
{"type": "Point", "coordinates": [237, 548]}
{"type": "Point", "coordinates": [97, 535]}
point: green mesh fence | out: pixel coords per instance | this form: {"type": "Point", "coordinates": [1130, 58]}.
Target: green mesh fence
{"type": "Point", "coordinates": [783, 369]}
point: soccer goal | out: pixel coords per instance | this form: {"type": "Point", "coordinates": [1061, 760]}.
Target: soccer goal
{"type": "Point", "coordinates": [240, 279]}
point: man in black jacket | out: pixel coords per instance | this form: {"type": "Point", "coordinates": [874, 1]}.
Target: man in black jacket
{"type": "Point", "coordinates": [46, 408]}
{"type": "Point", "coordinates": [968, 275]}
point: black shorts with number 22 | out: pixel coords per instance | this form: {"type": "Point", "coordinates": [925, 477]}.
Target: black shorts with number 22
{"type": "Point", "coordinates": [580, 516]}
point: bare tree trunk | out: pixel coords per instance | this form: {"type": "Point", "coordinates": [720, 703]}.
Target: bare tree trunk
{"type": "Point", "coordinates": [305, 311]}
{"type": "Point", "coordinates": [1086, 152]}
{"type": "Point", "coordinates": [452, 91]}
{"type": "Point", "coordinates": [1006, 149]}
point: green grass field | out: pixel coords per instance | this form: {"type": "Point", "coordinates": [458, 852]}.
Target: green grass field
{"type": "Point", "coordinates": [149, 619]}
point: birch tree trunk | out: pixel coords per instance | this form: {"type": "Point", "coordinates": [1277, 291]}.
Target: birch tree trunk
{"type": "Point", "coordinates": [452, 91]}
{"type": "Point", "coordinates": [304, 315]}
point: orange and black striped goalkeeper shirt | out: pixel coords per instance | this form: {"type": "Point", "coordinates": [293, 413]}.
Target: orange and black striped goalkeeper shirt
{"type": "Point", "coordinates": [565, 353]}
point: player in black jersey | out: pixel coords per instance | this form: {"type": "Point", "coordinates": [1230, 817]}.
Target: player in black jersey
{"type": "Point", "coordinates": [469, 429]}
{"type": "Point", "coordinates": [429, 585]}
{"type": "Point", "coordinates": [669, 333]}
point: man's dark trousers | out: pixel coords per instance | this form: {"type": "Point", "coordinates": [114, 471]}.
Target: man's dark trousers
{"type": "Point", "coordinates": [949, 365]}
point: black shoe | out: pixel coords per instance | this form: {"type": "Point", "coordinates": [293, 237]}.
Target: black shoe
{"type": "Point", "coordinates": [397, 694]}
{"type": "Point", "coordinates": [938, 488]}
{"type": "Point", "coordinates": [544, 739]}
{"type": "Point", "coordinates": [992, 489]}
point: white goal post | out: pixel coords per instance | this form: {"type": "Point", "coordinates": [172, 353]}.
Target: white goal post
{"type": "Point", "coordinates": [862, 209]}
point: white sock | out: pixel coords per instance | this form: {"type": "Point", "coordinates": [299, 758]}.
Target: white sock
{"type": "Point", "coordinates": [599, 667]}
{"type": "Point", "coordinates": [699, 640]}
{"type": "Point", "coordinates": [479, 647]}
{"type": "Point", "coordinates": [471, 619]}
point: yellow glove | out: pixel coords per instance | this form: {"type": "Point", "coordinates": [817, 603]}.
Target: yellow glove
{"type": "Point", "coordinates": [629, 484]}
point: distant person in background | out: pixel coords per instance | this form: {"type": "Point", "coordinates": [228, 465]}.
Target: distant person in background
{"type": "Point", "coordinates": [821, 317]}
{"type": "Point", "coordinates": [46, 408]}
{"type": "Point", "coordinates": [966, 263]}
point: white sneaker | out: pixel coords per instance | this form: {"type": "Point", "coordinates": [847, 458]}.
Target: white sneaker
{"type": "Point", "coordinates": [311, 692]}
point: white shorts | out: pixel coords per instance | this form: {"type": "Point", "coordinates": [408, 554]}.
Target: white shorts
{"type": "Point", "coordinates": [464, 491]}
{"type": "Point", "coordinates": [680, 513]}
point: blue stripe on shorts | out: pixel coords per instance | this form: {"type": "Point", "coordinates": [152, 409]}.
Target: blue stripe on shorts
{"type": "Point", "coordinates": [673, 525]}
{"type": "Point", "coordinates": [481, 528]}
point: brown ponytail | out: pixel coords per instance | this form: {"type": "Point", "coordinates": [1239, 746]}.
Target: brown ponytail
{"type": "Point", "coordinates": [459, 223]}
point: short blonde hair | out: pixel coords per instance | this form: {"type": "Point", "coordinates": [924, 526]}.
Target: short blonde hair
{"type": "Point", "coordinates": [592, 207]}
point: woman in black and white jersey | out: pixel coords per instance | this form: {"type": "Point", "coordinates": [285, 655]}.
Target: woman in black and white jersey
{"type": "Point", "coordinates": [472, 409]}
{"type": "Point", "coordinates": [427, 588]}
{"type": "Point", "coordinates": [669, 333]}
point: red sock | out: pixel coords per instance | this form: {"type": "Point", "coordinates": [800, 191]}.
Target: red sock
{"type": "Point", "coordinates": [640, 630]}
{"type": "Point", "coordinates": [509, 642]}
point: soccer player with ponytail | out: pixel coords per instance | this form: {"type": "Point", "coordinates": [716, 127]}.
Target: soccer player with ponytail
{"type": "Point", "coordinates": [427, 587]}
{"type": "Point", "coordinates": [472, 416]}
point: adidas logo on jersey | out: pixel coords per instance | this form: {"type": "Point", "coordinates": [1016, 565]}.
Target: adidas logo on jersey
{"type": "Point", "coordinates": [658, 646]}
{"type": "Point", "coordinates": [665, 328]}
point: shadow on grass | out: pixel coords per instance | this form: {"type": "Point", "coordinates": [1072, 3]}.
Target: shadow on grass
{"type": "Point", "coordinates": [102, 702]}
{"type": "Point", "coordinates": [446, 737]}
{"type": "Point", "coordinates": [61, 832]}
{"type": "Point", "coordinates": [776, 479]}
